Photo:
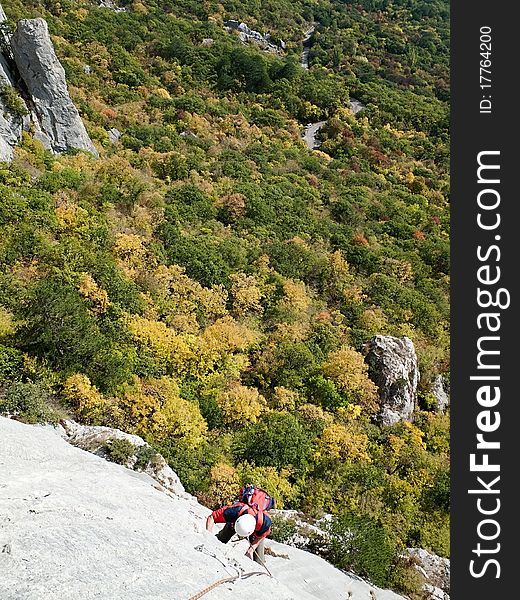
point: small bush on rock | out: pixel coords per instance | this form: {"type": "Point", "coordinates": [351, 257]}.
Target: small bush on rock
{"type": "Point", "coordinates": [119, 450]}
{"type": "Point", "coordinates": [145, 456]}
{"type": "Point", "coordinates": [30, 402]}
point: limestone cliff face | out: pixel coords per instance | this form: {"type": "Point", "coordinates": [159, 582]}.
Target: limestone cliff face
{"type": "Point", "coordinates": [393, 368]}
{"type": "Point", "coordinates": [28, 61]}
{"type": "Point", "coordinates": [76, 526]}
{"type": "Point", "coordinates": [40, 69]}
{"type": "Point", "coordinates": [10, 125]}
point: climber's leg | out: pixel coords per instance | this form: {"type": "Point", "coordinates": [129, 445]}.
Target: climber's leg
{"type": "Point", "coordinates": [225, 534]}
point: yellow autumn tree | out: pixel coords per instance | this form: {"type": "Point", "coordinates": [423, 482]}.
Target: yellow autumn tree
{"type": "Point", "coordinates": [246, 294]}
{"type": "Point", "coordinates": [90, 290]}
{"type": "Point", "coordinates": [130, 251]}
{"type": "Point", "coordinates": [348, 370]}
{"type": "Point", "coordinates": [339, 274]}
{"type": "Point", "coordinates": [404, 446]}
{"type": "Point", "coordinates": [342, 442]}
{"type": "Point", "coordinates": [241, 405]}
{"type": "Point", "coordinates": [182, 299]}
{"type": "Point", "coordinates": [154, 407]}
{"type": "Point", "coordinates": [224, 485]}
{"type": "Point", "coordinates": [7, 323]}
{"type": "Point", "coordinates": [69, 215]}
{"type": "Point", "coordinates": [295, 300]}
{"type": "Point", "coordinates": [87, 401]}
{"type": "Point", "coordinates": [171, 352]}
{"type": "Point", "coordinates": [222, 346]}
{"type": "Point", "coordinates": [285, 399]}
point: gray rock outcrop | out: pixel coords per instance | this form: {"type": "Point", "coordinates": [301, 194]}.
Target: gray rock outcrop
{"type": "Point", "coordinates": [439, 393]}
{"type": "Point", "coordinates": [61, 126]}
{"type": "Point", "coordinates": [249, 35]}
{"type": "Point", "coordinates": [114, 135]}
{"type": "Point", "coordinates": [356, 105]}
{"type": "Point", "coordinates": [435, 571]}
{"type": "Point", "coordinates": [10, 132]}
{"type": "Point", "coordinates": [393, 368]}
{"type": "Point", "coordinates": [3, 16]}
{"type": "Point", "coordinates": [94, 439]}
{"type": "Point", "coordinates": [10, 125]}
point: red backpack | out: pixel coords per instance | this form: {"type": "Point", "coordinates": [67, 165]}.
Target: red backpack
{"type": "Point", "coordinates": [256, 497]}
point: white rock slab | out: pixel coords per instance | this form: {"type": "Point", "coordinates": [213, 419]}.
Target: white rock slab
{"type": "Point", "coordinates": [73, 525]}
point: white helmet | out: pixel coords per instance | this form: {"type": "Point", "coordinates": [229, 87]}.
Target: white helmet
{"type": "Point", "coordinates": [245, 525]}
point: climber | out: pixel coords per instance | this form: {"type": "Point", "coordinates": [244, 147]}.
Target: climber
{"type": "Point", "coordinates": [247, 522]}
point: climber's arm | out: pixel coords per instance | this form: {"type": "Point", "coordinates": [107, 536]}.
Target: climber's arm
{"type": "Point", "coordinates": [210, 523]}
{"type": "Point", "coordinates": [252, 548]}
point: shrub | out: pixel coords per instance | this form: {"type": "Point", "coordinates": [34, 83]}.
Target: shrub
{"type": "Point", "coordinates": [283, 530]}
{"type": "Point", "coordinates": [291, 365]}
{"type": "Point", "coordinates": [360, 544]}
{"type": "Point", "coordinates": [30, 402]}
{"type": "Point", "coordinates": [12, 101]}
{"type": "Point", "coordinates": [11, 364]}
{"type": "Point", "coordinates": [85, 398]}
{"type": "Point", "coordinates": [278, 440]}
{"type": "Point", "coordinates": [119, 450]}
{"type": "Point", "coordinates": [323, 391]}
{"type": "Point", "coordinates": [145, 456]}
{"type": "Point", "coordinates": [408, 580]}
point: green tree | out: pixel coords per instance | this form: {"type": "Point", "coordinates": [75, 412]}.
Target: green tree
{"type": "Point", "coordinates": [277, 440]}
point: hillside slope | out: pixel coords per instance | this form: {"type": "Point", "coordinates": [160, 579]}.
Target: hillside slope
{"type": "Point", "coordinates": [213, 285]}
{"type": "Point", "coordinates": [75, 526]}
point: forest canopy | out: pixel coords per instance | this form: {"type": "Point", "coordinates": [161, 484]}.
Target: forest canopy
{"type": "Point", "coordinates": [209, 282]}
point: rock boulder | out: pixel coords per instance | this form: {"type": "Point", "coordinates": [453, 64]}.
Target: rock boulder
{"type": "Point", "coordinates": [441, 397]}
{"type": "Point", "coordinates": [10, 125]}
{"type": "Point", "coordinates": [94, 439]}
{"type": "Point", "coordinates": [61, 126]}
{"type": "Point", "coordinates": [435, 571]}
{"type": "Point", "coordinates": [393, 367]}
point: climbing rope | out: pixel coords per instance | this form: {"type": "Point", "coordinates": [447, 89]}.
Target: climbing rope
{"type": "Point", "coordinates": [226, 565]}
{"type": "Point", "coordinates": [224, 580]}
{"type": "Point", "coordinates": [212, 586]}
{"type": "Point", "coordinates": [240, 575]}
{"type": "Point", "coordinates": [263, 564]}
